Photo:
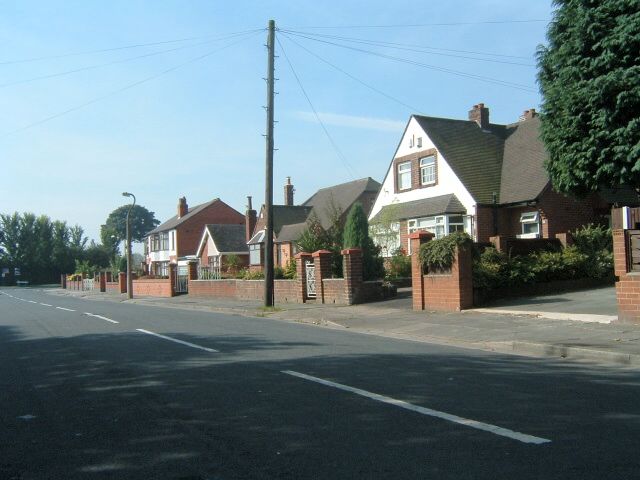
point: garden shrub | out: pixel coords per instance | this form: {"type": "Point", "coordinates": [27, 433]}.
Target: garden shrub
{"type": "Point", "coordinates": [592, 239]}
{"type": "Point", "coordinates": [399, 265]}
{"type": "Point", "coordinates": [437, 255]}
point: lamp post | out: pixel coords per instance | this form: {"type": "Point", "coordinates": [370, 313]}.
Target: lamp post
{"type": "Point", "coordinates": [129, 279]}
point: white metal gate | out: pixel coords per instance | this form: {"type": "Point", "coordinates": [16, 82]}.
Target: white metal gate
{"type": "Point", "coordinates": [310, 270]}
{"type": "Point", "coordinates": [182, 279]}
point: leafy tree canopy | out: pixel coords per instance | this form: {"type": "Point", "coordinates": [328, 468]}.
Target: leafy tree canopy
{"type": "Point", "coordinates": [114, 230]}
{"type": "Point", "coordinates": [589, 74]}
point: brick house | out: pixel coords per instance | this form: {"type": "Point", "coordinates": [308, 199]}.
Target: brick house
{"type": "Point", "coordinates": [179, 237]}
{"type": "Point", "coordinates": [289, 220]}
{"type": "Point", "coordinates": [482, 178]}
{"type": "Point", "coordinates": [218, 242]}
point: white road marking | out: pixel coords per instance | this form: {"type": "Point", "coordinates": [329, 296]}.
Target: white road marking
{"type": "Point", "coordinates": [192, 345]}
{"type": "Point", "coordinates": [27, 417]}
{"type": "Point", "coordinates": [46, 304]}
{"type": "Point", "coordinates": [65, 309]}
{"type": "Point", "coordinates": [32, 301]}
{"type": "Point", "coordinates": [521, 437]}
{"type": "Point", "coordinates": [100, 317]}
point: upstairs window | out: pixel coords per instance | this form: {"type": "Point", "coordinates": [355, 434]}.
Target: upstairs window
{"type": "Point", "coordinates": [428, 170]}
{"type": "Point", "coordinates": [404, 176]}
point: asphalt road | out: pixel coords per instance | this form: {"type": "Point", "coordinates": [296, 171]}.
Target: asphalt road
{"type": "Point", "coordinates": [254, 398]}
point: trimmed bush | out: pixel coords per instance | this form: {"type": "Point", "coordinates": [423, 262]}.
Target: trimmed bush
{"type": "Point", "coordinates": [437, 255]}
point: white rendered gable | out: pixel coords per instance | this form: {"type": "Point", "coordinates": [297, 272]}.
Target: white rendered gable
{"type": "Point", "coordinates": [447, 181]}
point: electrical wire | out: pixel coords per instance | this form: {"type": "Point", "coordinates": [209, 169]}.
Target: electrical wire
{"type": "Point", "coordinates": [440, 24]}
{"type": "Point", "coordinates": [122, 89]}
{"type": "Point", "coordinates": [124, 47]}
{"type": "Point", "coordinates": [341, 156]}
{"type": "Point", "coordinates": [413, 48]}
{"type": "Point", "coordinates": [483, 78]}
{"type": "Point", "coordinates": [353, 77]}
{"type": "Point", "coordinates": [115, 62]}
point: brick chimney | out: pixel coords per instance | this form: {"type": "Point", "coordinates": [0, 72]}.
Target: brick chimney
{"type": "Point", "coordinates": [183, 208]}
{"type": "Point", "coordinates": [288, 192]}
{"type": "Point", "coordinates": [250, 217]}
{"type": "Point", "coordinates": [528, 114]}
{"type": "Point", "coordinates": [480, 114]}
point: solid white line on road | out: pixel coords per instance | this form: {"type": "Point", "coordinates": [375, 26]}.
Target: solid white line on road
{"type": "Point", "coordinates": [65, 309]}
{"type": "Point", "coordinates": [521, 437]}
{"type": "Point", "coordinates": [192, 345]}
{"type": "Point", "coordinates": [32, 301]}
{"type": "Point", "coordinates": [100, 317]}
{"type": "Point", "coordinates": [46, 304]}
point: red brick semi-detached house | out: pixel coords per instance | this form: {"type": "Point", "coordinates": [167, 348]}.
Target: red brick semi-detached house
{"type": "Point", "coordinates": [479, 177]}
{"type": "Point", "coordinates": [178, 237]}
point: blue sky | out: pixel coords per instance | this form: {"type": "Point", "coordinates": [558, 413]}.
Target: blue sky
{"type": "Point", "coordinates": [197, 129]}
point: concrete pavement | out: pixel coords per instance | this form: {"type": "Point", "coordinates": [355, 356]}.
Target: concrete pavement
{"type": "Point", "coordinates": [522, 334]}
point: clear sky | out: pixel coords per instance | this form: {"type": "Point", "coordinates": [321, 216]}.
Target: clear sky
{"type": "Point", "coordinates": [185, 117]}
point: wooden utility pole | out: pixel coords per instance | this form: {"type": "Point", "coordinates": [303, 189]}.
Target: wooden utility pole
{"type": "Point", "coordinates": [268, 195]}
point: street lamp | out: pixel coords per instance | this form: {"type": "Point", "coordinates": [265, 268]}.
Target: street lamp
{"type": "Point", "coordinates": [129, 279]}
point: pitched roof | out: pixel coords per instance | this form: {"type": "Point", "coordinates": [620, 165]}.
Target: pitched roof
{"type": "Point", "coordinates": [475, 155]}
{"type": "Point", "coordinates": [291, 233]}
{"type": "Point", "coordinates": [523, 174]}
{"type": "Point", "coordinates": [228, 238]}
{"type": "Point", "coordinates": [289, 214]}
{"type": "Point", "coordinates": [426, 207]}
{"type": "Point", "coordinates": [341, 196]}
{"type": "Point", "coordinates": [174, 221]}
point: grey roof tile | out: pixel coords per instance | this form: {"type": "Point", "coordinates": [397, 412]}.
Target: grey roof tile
{"type": "Point", "coordinates": [426, 207]}
{"type": "Point", "coordinates": [228, 238]}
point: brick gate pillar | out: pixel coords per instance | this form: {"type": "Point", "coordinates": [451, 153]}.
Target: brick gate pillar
{"type": "Point", "coordinates": [417, 278]}
{"type": "Point", "coordinates": [173, 277]}
{"type": "Point", "coordinates": [103, 281]}
{"type": "Point", "coordinates": [352, 271]}
{"type": "Point", "coordinates": [301, 274]}
{"type": "Point", "coordinates": [63, 280]}
{"type": "Point", "coordinates": [193, 271]}
{"type": "Point", "coordinates": [322, 262]}
{"type": "Point", "coordinates": [626, 264]}
{"type": "Point", "coordinates": [122, 282]}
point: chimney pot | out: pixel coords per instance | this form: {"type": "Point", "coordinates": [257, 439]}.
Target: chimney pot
{"type": "Point", "coordinates": [183, 208]}
{"type": "Point", "coordinates": [528, 114]}
{"type": "Point", "coordinates": [288, 192]}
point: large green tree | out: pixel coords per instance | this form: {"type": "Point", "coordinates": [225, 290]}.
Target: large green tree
{"type": "Point", "coordinates": [589, 75]}
{"type": "Point", "coordinates": [114, 229]}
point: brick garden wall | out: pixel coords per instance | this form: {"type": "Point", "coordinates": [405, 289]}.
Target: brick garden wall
{"type": "Point", "coordinates": [627, 283]}
{"type": "Point", "coordinates": [157, 287]}
{"type": "Point", "coordinates": [284, 290]}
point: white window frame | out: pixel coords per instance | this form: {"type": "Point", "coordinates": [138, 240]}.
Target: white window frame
{"type": "Point", "coordinates": [428, 170]}
{"type": "Point", "coordinates": [528, 219]}
{"type": "Point", "coordinates": [255, 250]}
{"type": "Point", "coordinates": [403, 174]}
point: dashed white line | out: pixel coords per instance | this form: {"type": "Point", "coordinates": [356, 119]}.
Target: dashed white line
{"type": "Point", "coordinates": [46, 304]}
{"type": "Point", "coordinates": [65, 309]}
{"type": "Point", "coordinates": [182, 342]}
{"type": "Point", "coordinates": [32, 301]}
{"type": "Point", "coordinates": [100, 317]}
{"type": "Point", "coordinates": [504, 432]}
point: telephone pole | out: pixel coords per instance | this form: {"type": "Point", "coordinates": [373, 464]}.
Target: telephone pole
{"type": "Point", "coordinates": [268, 245]}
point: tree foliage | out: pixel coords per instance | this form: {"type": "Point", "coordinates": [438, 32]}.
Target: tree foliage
{"type": "Point", "coordinates": [114, 229]}
{"type": "Point", "coordinates": [40, 248]}
{"type": "Point", "coordinates": [589, 74]}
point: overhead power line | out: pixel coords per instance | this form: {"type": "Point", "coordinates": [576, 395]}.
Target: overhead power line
{"type": "Point", "coordinates": [341, 156]}
{"type": "Point", "coordinates": [482, 78]}
{"type": "Point", "coordinates": [122, 89]}
{"type": "Point", "coordinates": [353, 77]}
{"type": "Point", "coordinates": [122, 47]}
{"type": "Point", "coordinates": [415, 25]}
{"type": "Point", "coordinates": [418, 48]}
{"type": "Point", "coordinates": [115, 62]}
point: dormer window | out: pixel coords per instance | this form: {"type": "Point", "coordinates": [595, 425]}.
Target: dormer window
{"type": "Point", "coordinates": [428, 170]}
{"type": "Point", "coordinates": [404, 176]}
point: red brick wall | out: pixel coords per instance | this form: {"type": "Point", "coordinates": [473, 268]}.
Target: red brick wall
{"type": "Point", "coordinates": [627, 284]}
{"type": "Point", "coordinates": [404, 236]}
{"type": "Point", "coordinates": [190, 232]}
{"type": "Point", "coordinates": [484, 223]}
{"type": "Point", "coordinates": [113, 287]}
{"type": "Point", "coordinates": [159, 287]}
{"type": "Point", "coordinates": [284, 290]}
{"type": "Point", "coordinates": [453, 291]}
{"type": "Point", "coordinates": [335, 290]}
